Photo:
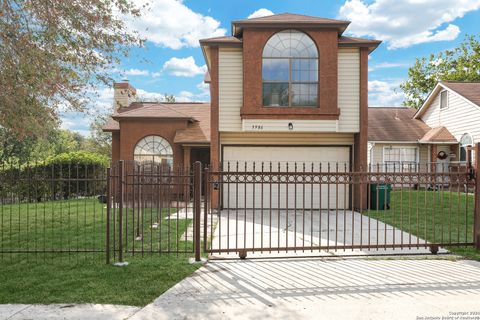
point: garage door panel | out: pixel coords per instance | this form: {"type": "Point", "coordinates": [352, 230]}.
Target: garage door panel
{"type": "Point", "coordinates": [308, 197]}
{"type": "Point", "coordinates": [246, 193]}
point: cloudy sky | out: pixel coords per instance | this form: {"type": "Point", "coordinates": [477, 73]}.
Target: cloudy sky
{"type": "Point", "coordinates": [172, 61]}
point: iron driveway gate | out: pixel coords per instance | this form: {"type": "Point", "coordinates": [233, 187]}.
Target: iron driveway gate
{"type": "Point", "coordinates": [305, 209]}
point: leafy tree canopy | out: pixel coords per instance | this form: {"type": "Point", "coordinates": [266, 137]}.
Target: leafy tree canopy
{"type": "Point", "coordinates": [459, 64]}
{"type": "Point", "coordinates": [53, 54]}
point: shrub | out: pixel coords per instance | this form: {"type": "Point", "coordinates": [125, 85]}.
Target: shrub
{"type": "Point", "coordinates": [64, 176]}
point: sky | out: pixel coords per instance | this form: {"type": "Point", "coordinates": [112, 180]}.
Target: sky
{"type": "Point", "coordinates": [171, 62]}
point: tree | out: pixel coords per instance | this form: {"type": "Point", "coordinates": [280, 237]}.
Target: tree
{"type": "Point", "coordinates": [13, 150]}
{"type": "Point", "coordinates": [37, 148]}
{"type": "Point", "coordinates": [99, 142]}
{"type": "Point", "coordinates": [459, 64]}
{"type": "Point", "coordinates": [53, 53]}
{"type": "Point", "coordinates": [169, 98]}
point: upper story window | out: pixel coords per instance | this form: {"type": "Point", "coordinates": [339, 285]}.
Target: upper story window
{"type": "Point", "coordinates": [444, 99]}
{"type": "Point", "coordinates": [154, 149]}
{"type": "Point", "coordinates": [290, 70]}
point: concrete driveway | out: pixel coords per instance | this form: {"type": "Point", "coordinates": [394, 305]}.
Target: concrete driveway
{"type": "Point", "coordinates": [356, 288]}
{"type": "Point", "coordinates": [297, 228]}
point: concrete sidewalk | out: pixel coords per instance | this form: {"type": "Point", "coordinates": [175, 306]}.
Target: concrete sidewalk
{"type": "Point", "coordinates": [308, 288]}
{"type": "Point", "coordinates": [66, 311]}
{"type": "Point", "coordinates": [356, 288]}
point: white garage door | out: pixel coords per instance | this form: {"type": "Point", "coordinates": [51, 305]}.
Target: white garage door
{"type": "Point", "coordinates": [254, 194]}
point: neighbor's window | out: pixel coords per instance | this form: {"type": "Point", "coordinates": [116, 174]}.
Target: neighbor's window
{"type": "Point", "coordinates": [466, 142]}
{"type": "Point", "coordinates": [400, 158]}
{"type": "Point", "coordinates": [153, 149]}
{"type": "Point", "coordinates": [443, 99]}
{"type": "Point", "coordinates": [290, 70]}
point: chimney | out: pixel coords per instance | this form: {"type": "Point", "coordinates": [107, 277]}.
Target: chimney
{"type": "Point", "coordinates": [123, 95]}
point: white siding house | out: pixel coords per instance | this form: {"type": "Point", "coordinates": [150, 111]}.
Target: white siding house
{"type": "Point", "coordinates": [455, 106]}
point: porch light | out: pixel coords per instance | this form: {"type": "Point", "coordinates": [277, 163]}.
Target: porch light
{"type": "Point", "coordinates": [290, 126]}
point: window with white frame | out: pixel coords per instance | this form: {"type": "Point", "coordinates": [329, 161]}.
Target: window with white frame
{"type": "Point", "coordinates": [290, 70]}
{"type": "Point", "coordinates": [466, 144]}
{"type": "Point", "coordinates": [400, 158]}
{"type": "Point", "coordinates": [153, 149]}
{"type": "Point", "coordinates": [444, 99]}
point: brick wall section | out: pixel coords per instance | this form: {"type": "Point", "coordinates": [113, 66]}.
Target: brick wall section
{"type": "Point", "coordinates": [253, 44]}
{"type": "Point", "coordinates": [132, 131]}
{"type": "Point", "coordinates": [115, 146]}
{"type": "Point", "coordinates": [214, 134]}
{"type": "Point", "coordinates": [361, 138]}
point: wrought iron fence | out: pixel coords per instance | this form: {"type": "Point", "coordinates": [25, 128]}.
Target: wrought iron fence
{"type": "Point", "coordinates": [151, 210]}
{"type": "Point", "coordinates": [139, 209]}
{"type": "Point", "coordinates": [51, 211]}
{"type": "Point", "coordinates": [298, 207]}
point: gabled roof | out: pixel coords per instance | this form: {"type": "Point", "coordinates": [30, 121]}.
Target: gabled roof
{"type": "Point", "coordinates": [438, 135]}
{"type": "Point", "coordinates": [395, 125]}
{"type": "Point", "coordinates": [150, 110]}
{"type": "Point", "coordinates": [469, 91]}
{"type": "Point", "coordinates": [197, 115]}
{"type": "Point", "coordinates": [199, 130]}
{"type": "Point", "coordinates": [288, 19]}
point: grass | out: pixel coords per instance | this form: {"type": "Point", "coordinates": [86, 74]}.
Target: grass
{"type": "Point", "coordinates": [75, 276]}
{"type": "Point", "coordinates": [92, 282]}
{"type": "Point", "coordinates": [437, 216]}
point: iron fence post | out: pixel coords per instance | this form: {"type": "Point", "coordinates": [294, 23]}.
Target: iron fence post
{"type": "Point", "coordinates": [121, 168]}
{"type": "Point", "coordinates": [197, 193]}
{"type": "Point", "coordinates": [109, 202]}
{"type": "Point", "coordinates": [206, 191]}
{"type": "Point", "coordinates": [476, 218]}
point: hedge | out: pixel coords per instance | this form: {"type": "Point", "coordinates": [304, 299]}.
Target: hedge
{"type": "Point", "coordinates": [64, 176]}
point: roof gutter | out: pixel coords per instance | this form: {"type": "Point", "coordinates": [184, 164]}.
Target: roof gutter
{"type": "Point", "coordinates": [437, 142]}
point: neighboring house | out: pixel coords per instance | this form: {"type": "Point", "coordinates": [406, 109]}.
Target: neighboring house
{"type": "Point", "coordinates": [443, 131]}
{"type": "Point", "coordinates": [285, 89]}
{"type": "Point", "coordinates": [455, 106]}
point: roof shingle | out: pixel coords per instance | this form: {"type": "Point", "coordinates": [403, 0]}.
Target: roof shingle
{"type": "Point", "coordinates": [197, 114]}
{"type": "Point", "coordinates": [289, 19]}
{"type": "Point", "coordinates": [438, 135]}
{"type": "Point", "coordinates": [395, 124]}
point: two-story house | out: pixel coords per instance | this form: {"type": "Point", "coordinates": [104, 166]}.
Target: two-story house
{"type": "Point", "coordinates": [288, 92]}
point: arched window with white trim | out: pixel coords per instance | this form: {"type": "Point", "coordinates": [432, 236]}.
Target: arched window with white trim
{"type": "Point", "coordinates": [466, 144]}
{"type": "Point", "coordinates": [153, 149]}
{"type": "Point", "coordinates": [290, 70]}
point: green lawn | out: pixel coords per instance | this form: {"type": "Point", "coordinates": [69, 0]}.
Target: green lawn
{"type": "Point", "coordinates": [437, 216]}
{"type": "Point", "coordinates": [72, 277]}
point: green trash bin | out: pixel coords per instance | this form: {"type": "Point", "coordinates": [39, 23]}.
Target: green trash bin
{"type": "Point", "coordinates": [380, 196]}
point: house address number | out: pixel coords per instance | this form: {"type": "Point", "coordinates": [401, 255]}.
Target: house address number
{"type": "Point", "coordinates": [257, 127]}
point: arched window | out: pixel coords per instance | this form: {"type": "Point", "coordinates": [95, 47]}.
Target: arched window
{"type": "Point", "coordinates": [153, 149]}
{"type": "Point", "coordinates": [465, 152]}
{"type": "Point", "coordinates": [290, 70]}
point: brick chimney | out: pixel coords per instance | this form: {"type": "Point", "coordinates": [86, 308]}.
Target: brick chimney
{"type": "Point", "coordinates": [123, 94]}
